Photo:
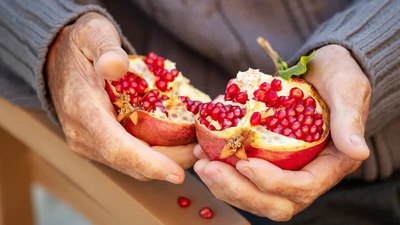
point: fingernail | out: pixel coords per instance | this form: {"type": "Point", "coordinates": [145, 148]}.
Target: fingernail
{"type": "Point", "coordinates": [357, 141]}
{"type": "Point", "coordinates": [172, 178]}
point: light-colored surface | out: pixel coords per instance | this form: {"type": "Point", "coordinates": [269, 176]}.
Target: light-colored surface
{"type": "Point", "coordinates": [49, 210]}
{"type": "Point", "coordinates": [121, 198]}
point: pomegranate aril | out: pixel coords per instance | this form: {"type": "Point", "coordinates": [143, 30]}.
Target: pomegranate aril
{"type": "Point", "coordinates": [305, 129]}
{"type": "Point", "coordinates": [317, 136]}
{"type": "Point", "coordinates": [215, 113]}
{"type": "Point", "coordinates": [276, 85]}
{"type": "Point", "coordinates": [174, 72]}
{"type": "Point", "coordinates": [206, 213]}
{"type": "Point", "coordinates": [309, 102]}
{"type": "Point", "coordinates": [232, 90]}
{"type": "Point", "coordinates": [183, 202]}
{"type": "Point", "coordinates": [296, 93]}
{"type": "Point", "coordinates": [265, 86]}
{"type": "Point", "coordinates": [286, 131]}
{"type": "Point", "coordinates": [290, 111]}
{"type": "Point", "coordinates": [226, 123]}
{"type": "Point", "coordinates": [318, 122]}
{"type": "Point", "coordinates": [230, 115]}
{"type": "Point", "coordinates": [300, 118]}
{"type": "Point", "coordinates": [296, 125]}
{"type": "Point", "coordinates": [241, 97]}
{"type": "Point", "coordinates": [308, 138]}
{"type": "Point", "coordinates": [313, 129]}
{"type": "Point", "coordinates": [271, 98]}
{"type": "Point", "coordinates": [281, 114]}
{"type": "Point", "coordinates": [260, 95]}
{"type": "Point", "coordinates": [309, 111]}
{"type": "Point", "coordinates": [278, 129]}
{"type": "Point", "coordinates": [272, 122]}
{"type": "Point", "coordinates": [162, 85]}
{"type": "Point", "coordinates": [291, 119]}
{"type": "Point", "coordinates": [211, 127]}
{"type": "Point", "coordinates": [299, 134]}
{"type": "Point", "coordinates": [285, 123]}
{"type": "Point", "coordinates": [118, 88]}
{"type": "Point", "coordinates": [299, 108]}
{"type": "Point", "coordinates": [255, 118]}
{"type": "Point", "coordinates": [308, 120]}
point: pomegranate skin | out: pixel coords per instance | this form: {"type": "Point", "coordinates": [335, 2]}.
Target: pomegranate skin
{"type": "Point", "coordinates": [160, 132]}
{"type": "Point", "coordinates": [213, 144]}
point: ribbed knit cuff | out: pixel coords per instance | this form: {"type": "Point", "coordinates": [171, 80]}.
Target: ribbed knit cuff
{"type": "Point", "coordinates": [371, 31]}
{"type": "Point", "coordinates": [30, 28]}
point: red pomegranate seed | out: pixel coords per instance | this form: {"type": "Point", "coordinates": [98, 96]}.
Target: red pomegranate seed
{"type": "Point", "coordinates": [300, 118]}
{"type": "Point", "coordinates": [276, 85]}
{"type": "Point", "coordinates": [211, 127]}
{"type": "Point", "coordinates": [290, 111]}
{"type": "Point", "coordinates": [204, 121]}
{"type": "Point", "coordinates": [313, 129]}
{"type": "Point", "coordinates": [260, 95]}
{"type": "Point", "coordinates": [183, 202]}
{"type": "Point", "coordinates": [317, 136]}
{"type": "Point", "coordinates": [285, 123]}
{"type": "Point", "coordinates": [231, 91]}
{"type": "Point", "coordinates": [296, 125]}
{"type": "Point", "coordinates": [309, 111]}
{"type": "Point", "coordinates": [309, 102]}
{"type": "Point", "coordinates": [174, 72]}
{"type": "Point", "coordinates": [299, 134]}
{"type": "Point", "coordinates": [255, 118]}
{"type": "Point", "coordinates": [286, 131]}
{"type": "Point", "coordinates": [296, 93]}
{"type": "Point", "coordinates": [162, 85]}
{"type": "Point", "coordinates": [318, 122]}
{"type": "Point", "coordinates": [299, 108]}
{"type": "Point", "coordinates": [272, 122]}
{"type": "Point", "coordinates": [281, 114]}
{"type": "Point", "coordinates": [215, 113]}
{"type": "Point", "coordinates": [265, 86]}
{"type": "Point", "coordinates": [241, 97]}
{"type": "Point", "coordinates": [308, 120]}
{"type": "Point", "coordinates": [278, 129]}
{"type": "Point", "coordinates": [271, 98]}
{"type": "Point", "coordinates": [308, 138]}
{"type": "Point", "coordinates": [206, 213]}
{"type": "Point", "coordinates": [291, 119]}
{"type": "Point", "coordinates": [305, 129]}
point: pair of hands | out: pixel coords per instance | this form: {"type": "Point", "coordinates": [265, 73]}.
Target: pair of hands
{"type": "Point", "coordinates": [89, 51]}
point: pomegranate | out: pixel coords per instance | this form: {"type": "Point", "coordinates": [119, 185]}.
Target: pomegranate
{"type": "Point", "coordinates": [206, 213]}
{"type": "Point", "coordinates": [148, 101]}
{"type": "Point", "coordinates": [276, 118]}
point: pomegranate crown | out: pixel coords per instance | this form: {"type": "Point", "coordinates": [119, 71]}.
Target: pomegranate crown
{"type": "Point", "coordinates": [281, 67]}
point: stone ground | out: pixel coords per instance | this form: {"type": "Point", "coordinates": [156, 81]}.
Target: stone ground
{"type": "Point", "coordinates": [50, 211]}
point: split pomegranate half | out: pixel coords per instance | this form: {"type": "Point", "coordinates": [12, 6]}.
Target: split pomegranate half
{"type": "Point", "coordinates": [148, 101]}
{"type": "Point", "coordinates": [283, 121]}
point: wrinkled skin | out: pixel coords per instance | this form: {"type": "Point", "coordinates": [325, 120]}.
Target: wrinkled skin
{"type": "Point", "coordinates": [266, 190]}
{"type": "Point", "coordinates": [83, 55]}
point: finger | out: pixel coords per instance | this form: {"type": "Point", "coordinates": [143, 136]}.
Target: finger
{"type": "Point", "coordinates": [199, 153]}
{"type": "Point", "coordinates": [100, 42]}
{"type": "Point", "coordinates": [230, 186]}
{"type": "Point", "coordinates": [302, 186]}
{"type": "Point", "coordinates": [183, 155]}
{"type": "Point", "coordinates": [348, 112]}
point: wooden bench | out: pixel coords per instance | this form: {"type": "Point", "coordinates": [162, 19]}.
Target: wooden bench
{"type": "Point", "coordinates": [33, 150]}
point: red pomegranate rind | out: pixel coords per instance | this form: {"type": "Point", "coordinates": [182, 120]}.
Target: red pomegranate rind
{"type": "Point", "coordinates": [290, 160]}
{"type": "Point", "coordinates": [165, 134]}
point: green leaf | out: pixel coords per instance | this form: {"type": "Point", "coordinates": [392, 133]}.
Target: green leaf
{"type": "Point", "coordinates": [298, 69]}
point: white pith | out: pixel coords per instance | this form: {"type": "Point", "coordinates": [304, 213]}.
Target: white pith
{"type": "Point", "coordinates": [250, 80]}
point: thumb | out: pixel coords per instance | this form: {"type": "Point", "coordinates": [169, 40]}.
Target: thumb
{"type": "Point", "coordinates": [347, 131]}
{"type": "Point", "coordinates": [100, 42]}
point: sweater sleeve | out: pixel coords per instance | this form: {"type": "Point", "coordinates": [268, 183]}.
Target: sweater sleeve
{"type": "Point", "coordinates": [27, 29]}
{"type": "Point", "coordinates": [371, 31]}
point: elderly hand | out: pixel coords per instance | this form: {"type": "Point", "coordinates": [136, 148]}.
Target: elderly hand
{"type": "Point", "coordinates": [83, 55]}
{"type": "Point", "coordinates": [264, 189]}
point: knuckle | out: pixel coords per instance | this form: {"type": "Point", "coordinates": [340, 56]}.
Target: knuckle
{"type": "Point", "coordinates": [282, 213]}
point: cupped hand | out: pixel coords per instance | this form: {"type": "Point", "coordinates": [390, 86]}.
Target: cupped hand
{"type": "Point", "coordinates": [82, 56]}
{"type": "Point", "coordinates": [266, 190]}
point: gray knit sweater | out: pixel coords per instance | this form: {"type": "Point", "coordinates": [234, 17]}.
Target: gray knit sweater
{"type": "Point", "coordinates": [221, 34]}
